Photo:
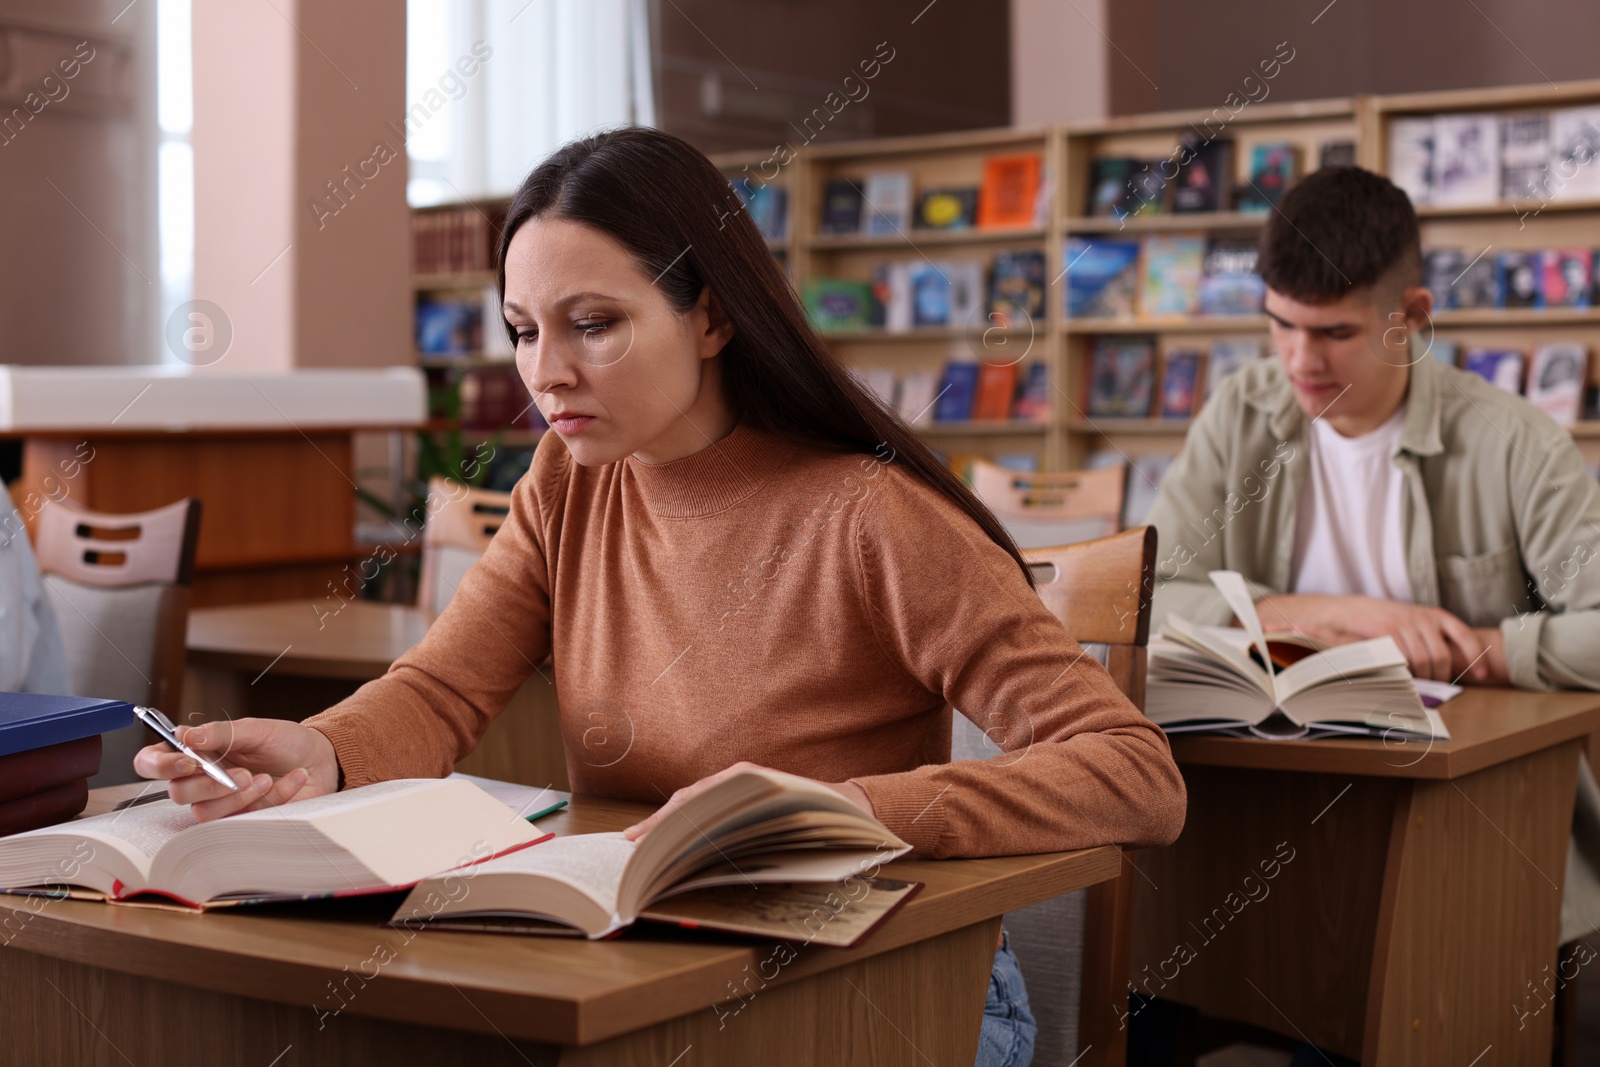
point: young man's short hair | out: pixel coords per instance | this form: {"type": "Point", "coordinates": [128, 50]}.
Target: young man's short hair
{"type": "Point", "coordinates": [1339, 230]}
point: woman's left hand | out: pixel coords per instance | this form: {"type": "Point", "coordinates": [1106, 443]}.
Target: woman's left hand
{"type": "Point", "coordinates": [854, 793]}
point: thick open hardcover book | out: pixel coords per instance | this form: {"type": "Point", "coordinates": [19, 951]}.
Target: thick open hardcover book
{"type": "Point", "coordinates": [1224, 679]}
{"type": "Point", "coordinates": [378, 837]}
{"type": "Point", "coordinates": [757, 831]}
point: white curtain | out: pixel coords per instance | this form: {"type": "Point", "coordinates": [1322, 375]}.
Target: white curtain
{"type": "Point", "coordinates": [556, 70]}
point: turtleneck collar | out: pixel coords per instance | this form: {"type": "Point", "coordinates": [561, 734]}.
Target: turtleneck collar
{"type": "Point", "coordinates": [712, 479]}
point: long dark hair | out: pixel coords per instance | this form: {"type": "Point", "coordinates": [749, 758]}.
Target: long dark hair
{"type": "Point", "coordinates": [665, 202]}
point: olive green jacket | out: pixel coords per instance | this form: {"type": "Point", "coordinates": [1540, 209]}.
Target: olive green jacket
{"type": "Point", "coordinates": [1501, 521]}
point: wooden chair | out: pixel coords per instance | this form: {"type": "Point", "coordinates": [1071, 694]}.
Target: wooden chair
{"type": "Point", "coordinates": [460, 523]}
{"type": "Point", "coordinates": [1075, 950]}
{"type": "Point", "coordinates": [1052, 509]}
{"type": "Point", "coordinates": [120, 586]}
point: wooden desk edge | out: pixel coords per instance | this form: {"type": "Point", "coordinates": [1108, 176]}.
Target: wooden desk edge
{"type": "Point", "coordinates": [55, 930]}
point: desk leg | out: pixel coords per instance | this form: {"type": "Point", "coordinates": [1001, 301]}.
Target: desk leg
{"type": "Point", "coordinates": [915, 1006]}
{"type": "Point", "coordinates": [1469, 915]}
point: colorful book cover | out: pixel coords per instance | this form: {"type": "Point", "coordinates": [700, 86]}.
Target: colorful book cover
{"type": "Point", "coordinates": [887, 203]}
{"type": "Point", "coordinates": [1229, 355]}
{"type": "Point", "coordinates": [1557, 378]}
{"type": "Point", "coordinates": [1180, 384]}
{"type": "Point", "coordinates": [1109, 186]}
{"type": "Point", "coordinates": [1499, 366]}
{"type": "Point", "coordinates": [1566, 278]}
{"type": "Point", "coordinates": [1517, 279]}
{"type": "Point", "coordinates": [948, 209]}
{"type": "Point", "coordinates": [918, 389]}
{"type": "Point", "coordinates": [767, 206]}
{"type": "Point", "coordinates": [1102, 277]}
{"type": "Point", "coordinates": [1033, 394]}
{"type": "Point", "coordinates": [1010, 190]}
{"type": "Point", "coordinates": [958, 387]}
{"type": "Point", "coordinates": [1205, 180]}
{"type": "Point", "coordinates": [839, 303]}
{"type": "Point", "coordinates": [1121, 377]}
{"type": "Point", "coordinates": [997, 384]}
{"type": "Point", "coordinates": [1173, 264]}
{"type": "Point", "coordinates": [1476, 286]}
{"type": "Point", "coordinates": [1440, 269]}
{"type": "Point", "coordinates": [1149, 191]}
{"type": "Point", "coordinates": [1016, 288]}
{"type": "Point", "coordinates": [1273, 168]}
{"type": "Point", "coordinates": [930, 295]}
{"type": "Point", "coordinates": [841, 207]}
{"type": "Point", "coordinates": [1229, 284]}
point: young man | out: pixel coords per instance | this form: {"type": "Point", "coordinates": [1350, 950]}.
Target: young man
{"type": "Point", "coordinates": [1364, 488]}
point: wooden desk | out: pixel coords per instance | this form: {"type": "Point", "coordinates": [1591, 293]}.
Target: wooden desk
{"type": "Point", "coordinates": [1421, 897]}
{"type": "Point", "coordinates": [293, 658]}
{"type": "Point", "coordinates": [108, 985]}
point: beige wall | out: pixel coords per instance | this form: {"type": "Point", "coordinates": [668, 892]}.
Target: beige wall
{"type": "Point", "coordinates": [79, 282]}
{"type": "Point", "coordinates": [280, 111]}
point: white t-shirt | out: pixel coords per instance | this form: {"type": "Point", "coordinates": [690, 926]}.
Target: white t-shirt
{"type": "Point", "coordinates": [1347, 535]}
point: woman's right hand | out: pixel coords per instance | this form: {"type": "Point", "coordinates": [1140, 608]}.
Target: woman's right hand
{"type": "Point", "coordinates": [273, 760]}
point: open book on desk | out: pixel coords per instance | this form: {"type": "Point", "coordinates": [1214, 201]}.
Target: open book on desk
{"type": "Point", "coordinates": [734, 852]}
{"type": "Point", "coordinates": [376, 838]}
{"type": "Point", "coordinates": [1223, 679]}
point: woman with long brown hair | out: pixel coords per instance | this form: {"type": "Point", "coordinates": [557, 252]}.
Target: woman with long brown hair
{"type": "Point", "coordinates": [735, 556]}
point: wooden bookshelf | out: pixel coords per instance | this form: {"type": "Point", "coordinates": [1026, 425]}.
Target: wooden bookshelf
{"type": "Point", "coordinates": [1068, 149]}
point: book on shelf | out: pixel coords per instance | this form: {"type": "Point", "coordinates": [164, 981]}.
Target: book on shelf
{"type": "Point", "coordinates": [1516, 276]}
{"type": "Point", "coordinates": [1336, 153]}
{"type": "Point", "coordinates": [1466, 160]}
{"type": "Point", "coordinates": [879, 381]}
{"type": "Point", "coordinates": [1033, 402]}
{"type": "Point", "coordinates": [1143, 485]}
{"type": "Point", "coordinates": [1242, 681]}
{"type": "Point", "coordinates": [839, 303]}
{"type": "Point", "coordinates": [996, 389]}
{"type": "Point", "coordinates": [954, 208]}
{"type": "Point", "coordinates": [1229, 354]}
{"type": "Point", "coordinates": [968, 297]}
{"type": "Point", "coordinates": [1525, 155]}
{"type": "Point", "coordinates": [1476, 286]}
{"type": "Point", "coordinates": [1274, 166]}
{"type": "Point", "coordinates": [456, 240]}
{"type": "Point", "coordinates": [1229, 284]}
{"type": "Point", "coordinates": [841, 207]}
{"type": "Point", "coordinates": [1205, 178]}
{"type": "Point", "coordinates": [753, 828]}
{"type": "Point", "coordinates": [1180, 384]}
{"type": "Point", "coordinates": [1411, 156]}
{"type": "Point", "coordinates": [958, 387]}
{"type": "Point", "coordinates": [1501, 367]}
{"type": "Point", "coordinates": [891, 293]}
{"type": "Point", "coordinates": [1111, 186]}
{"type": "Point", "coordinates": [1566, 277]}
{"type": "Point", "coordinates": [1440, 269]}
{"type": "Point", "coordinates": [1012, 190]}
{"type": "Point", "coordinates": [342, 844]}
{"type": "Point", "coordinates": [918, 391]}
{"type": "Point", "coordinates": [1016, 288]}
{"type": "Point", "coordinates": [1557, 377]}
{"type": "Point", "coordinates": [1121, 377]}
{"type": "Point", "coordinates": [886, 208]}
{"type": "Point", "coordinates": [1575, 153]}
{"type": "Point", "coordinates": [767, 206]}
{"type": "Point", "coordinates": [930, 295]}
{"type": "Point", "coordinates": [461, 324]}
{"type": "Point", "coordinates": [1171, 268]}
{"type": "Point", "coordinates": [1102, 278]}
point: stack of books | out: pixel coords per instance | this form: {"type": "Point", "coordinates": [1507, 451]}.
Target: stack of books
{"type": "Point", "coordinates": [49, 749]}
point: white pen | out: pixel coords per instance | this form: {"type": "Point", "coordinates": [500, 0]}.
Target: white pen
{"type": "Point", "coordinates": [169, 733]}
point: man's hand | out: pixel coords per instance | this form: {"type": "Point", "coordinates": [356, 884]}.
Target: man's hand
{"type": "Point", "coordinates": [854, 793]}
{"type": "Point", "coordinates": [1436, 644]}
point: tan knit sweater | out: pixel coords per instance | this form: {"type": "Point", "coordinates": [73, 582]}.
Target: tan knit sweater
{"type": "Point", "coordinates": [812, 612]}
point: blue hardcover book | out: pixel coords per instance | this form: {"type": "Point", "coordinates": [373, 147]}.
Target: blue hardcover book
{"type": "Point", "coordinates": [957, 389]}
{"type": "Point", "coordinates": [34, 720]}
{"type": "Point", "coordinates": [1102, 278]}
{"type": "Point", "coordinates": [930, 295]}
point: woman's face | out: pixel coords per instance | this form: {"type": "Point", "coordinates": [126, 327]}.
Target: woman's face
{"type": "Point", "coordinates": [614, 369]}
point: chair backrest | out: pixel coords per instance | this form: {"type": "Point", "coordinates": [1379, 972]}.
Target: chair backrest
{"type": "Point", "coordinates": [1051, 509]}
{"type": "Point", "coordinates": [461, 522]}
{"type": "Point", "coordinates": [1075, 950]}
{"type": "Point", "coordinates": [120, 587]}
